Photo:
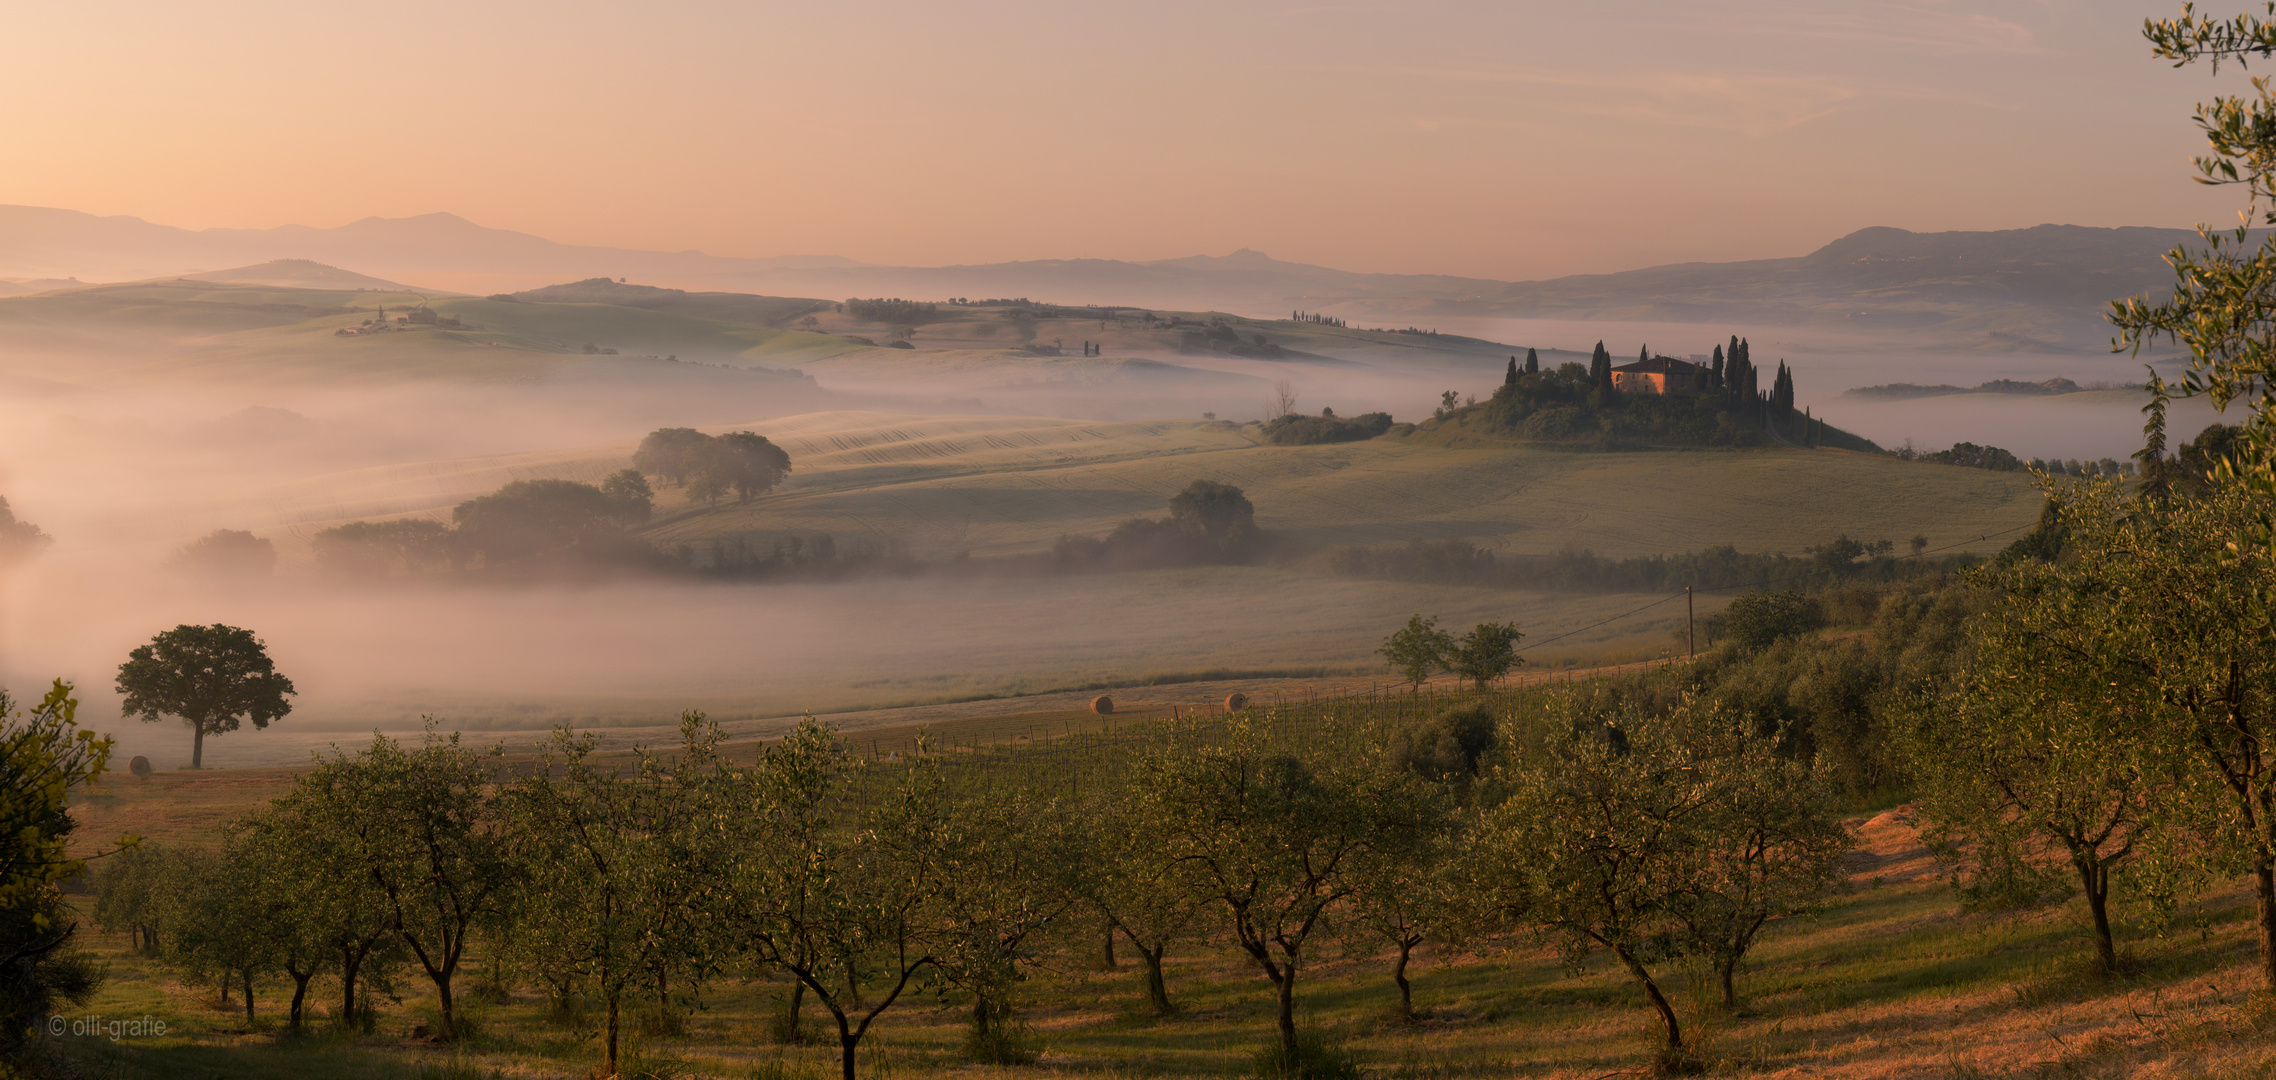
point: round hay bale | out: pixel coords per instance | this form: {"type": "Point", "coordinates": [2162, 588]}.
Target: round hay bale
{"type": "Point", "coordinates": [140, 766]}
{"type": "Point", "coordinates": [1236, 702]}
{"type": "Point", "coordinates": [1102, 704]}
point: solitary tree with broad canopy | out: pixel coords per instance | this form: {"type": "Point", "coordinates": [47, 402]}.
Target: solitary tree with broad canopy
{"type": "Point", "coordinates": [1418, 649]}
{"type": "Point", "coordinates": [212, 677]}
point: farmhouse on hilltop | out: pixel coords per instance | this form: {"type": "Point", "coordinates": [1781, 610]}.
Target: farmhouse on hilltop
{"type": "Point", "coordinates": [1660, 375]}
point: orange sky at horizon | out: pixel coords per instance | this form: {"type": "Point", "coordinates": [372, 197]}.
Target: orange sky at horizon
{"type": "Point", "coordinates": [1511, 140]}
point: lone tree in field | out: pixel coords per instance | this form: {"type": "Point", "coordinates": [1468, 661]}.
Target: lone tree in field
{"type": "Point", "coordinates": [213, 677]}
{"type": "Point", "coordinates": [1486, 653]}
{"type": "Point", "coordinates": [1418, 649]}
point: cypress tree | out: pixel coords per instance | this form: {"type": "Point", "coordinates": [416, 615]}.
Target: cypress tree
{"type": "Point", "coordinates": [1600, 369]}
{"type": "Point", "coordinates": [1532, 361]}
{"type": "Point", "coordinates": [2151, 462]}
{"type": "Point", "coordinates": [1715, 373]}
{"type": "Point", "coordinates": [1509, 378]}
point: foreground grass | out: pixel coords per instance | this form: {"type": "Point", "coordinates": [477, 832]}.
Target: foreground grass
{"type": "Point", "coordinates": [1889, 981]}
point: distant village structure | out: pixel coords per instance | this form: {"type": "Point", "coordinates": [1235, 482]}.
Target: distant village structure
{"type": "Point", "coordinates": [1660, 375]}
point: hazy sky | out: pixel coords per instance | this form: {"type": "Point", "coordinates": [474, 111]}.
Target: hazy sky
{"type": "Point", "coordinates": [1500, 138]}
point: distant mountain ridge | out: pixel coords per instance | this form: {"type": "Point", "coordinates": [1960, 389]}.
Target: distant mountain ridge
{"type": "Point", "coordinates": [2042, 287]}
{"type": "Point", "coordinates": [42, 242]}
{"type": "Point", "coordinates": [2038, 288]}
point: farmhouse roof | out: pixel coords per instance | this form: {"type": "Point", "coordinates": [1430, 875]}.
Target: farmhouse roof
{"type": "Point", "coordinates": [1659, 365]}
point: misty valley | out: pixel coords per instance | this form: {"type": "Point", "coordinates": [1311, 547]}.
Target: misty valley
{"type": "Point", "coordinates": [434, 650]}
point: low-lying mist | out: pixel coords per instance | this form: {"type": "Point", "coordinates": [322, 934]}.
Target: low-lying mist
{"type": "Point", "coordinates": [636, 652]}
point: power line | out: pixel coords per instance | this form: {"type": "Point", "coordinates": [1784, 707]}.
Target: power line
{"type": "Point", "coordinates": [1607, 622]}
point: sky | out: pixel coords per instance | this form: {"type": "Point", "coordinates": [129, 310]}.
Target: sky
{"type": "Point", "coordinates": [1507, 139]}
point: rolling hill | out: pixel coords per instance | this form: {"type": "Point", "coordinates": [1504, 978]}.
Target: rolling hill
{"type": "Point", "coordinates": [942, 487]}
{"type": "Point", "coordinates": [2040, 288]}
{"type": "Point", "coordinates": [300, 274]}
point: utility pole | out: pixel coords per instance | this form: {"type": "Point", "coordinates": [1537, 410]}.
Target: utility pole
{"type": "Point", "coordinates": [1690, 625]}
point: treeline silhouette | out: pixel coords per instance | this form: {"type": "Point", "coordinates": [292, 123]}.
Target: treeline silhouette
{"type": "Point", "coordinates": [1463, 562]}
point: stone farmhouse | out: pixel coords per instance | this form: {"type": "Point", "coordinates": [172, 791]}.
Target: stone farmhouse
{"type": "Point", "coordinates": [1660, 375]}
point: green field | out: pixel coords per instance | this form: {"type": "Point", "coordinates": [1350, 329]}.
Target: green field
{"type": "Point", "coordinates": [945, 486]}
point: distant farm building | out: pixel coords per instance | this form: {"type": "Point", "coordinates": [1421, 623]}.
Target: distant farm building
{"type": "Point", "coordinates": [1660, 375]}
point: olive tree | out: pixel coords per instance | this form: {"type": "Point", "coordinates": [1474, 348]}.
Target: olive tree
{"type": "Point", "coordinates": [213, 678]}
{"type": "Point", "coordinates": [2045, 760]}
{"type": "Point", "coordinates": [1136, 885]}
{"type": "Point", "coordinates": [1003, 883]}
{"type": "Point", "coordinates": [427, 833]}
{"type": "Point", "coordinates": [613, 874]}
{"type": "Point", "coordinates": [222, 923]}
{"type": "Point", "coordinates": [1652, 834]}
{"type": "Point", "coordinates": [1770, 847]}
{"type": "Point", "coordinates": [1402, 895]}
{"type": "Point", "coordinates": [315, 842]}
{"type": "Point", "coordinates": [2170, 601]}
{"type": "Point", "coordinates": [851, 909]}
{"type": "Point", "coordinates": [1268, 836]}
{"type": "Point", "coordinates": [1594, 844]}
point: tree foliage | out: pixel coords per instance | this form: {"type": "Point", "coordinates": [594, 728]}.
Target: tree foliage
{"type": "Point", "coordinates": [227, 554]}
{"type": "Point", "coordinates": [45, 760]}
{"type": "Point", "coordinates": [1417, 650]}
{"type": "Point", "coordinates": [18, 539]}
{"type": "Point", "coordinates": [2043, 762]}
{"type": "Point", "coordinates": [1486, 653]}
{"type": "Point", "coordinates": [1757, 619]}
{"type": "Point", "coordinates": [1653, 834]}
{"type": "Point", "coordinates": [1269, 838]}
{"type": "Point", "coordinates": [213, 678]}
{"type": "Point", "coordinates": [362, 550]}
{"type": "Point", "coordinates": [546, 524]}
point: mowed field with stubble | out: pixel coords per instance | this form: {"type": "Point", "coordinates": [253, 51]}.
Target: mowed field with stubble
{"type": "Point", "coordinates": [949, 486]}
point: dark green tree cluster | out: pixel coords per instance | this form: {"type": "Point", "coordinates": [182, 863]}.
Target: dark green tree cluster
{"type": "Point", "coordinates": [1293, 429]}
{"type": "Point", "coordinates": [1420, 649]}
{"type": "Point", "coordinates": [711, 467]}
{"type": "Point", "coordinates": [1583, 405]}
{"type": "Point", "coordinates": [526, 527]}
{"type": "Point", "coordinates": [227, 555]}
{"type": "Point", "coordinates": [1209, 522]}
{"type": "Point", "coordinates": [1464, 562]}
{"type": "Point", "coordinates": [212, 678]}
{"type": "Point", "coordinates": [895, 311]}
{"type": "Point", "coordinates": [46, 762]}
{"type": "Point", "coordinates": [1970, 455]}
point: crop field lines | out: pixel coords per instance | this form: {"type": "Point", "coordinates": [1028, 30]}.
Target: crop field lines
{"type": "Point", "coordinates": [1059, 476]}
